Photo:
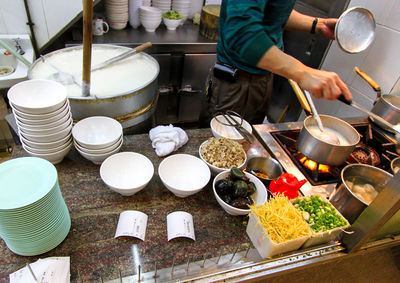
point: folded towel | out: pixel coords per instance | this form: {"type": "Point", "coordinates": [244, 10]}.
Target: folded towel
{"type": "Point", "coordinates": [166, 139]}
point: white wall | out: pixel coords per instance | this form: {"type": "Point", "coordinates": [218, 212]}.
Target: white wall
{"type": "Point", "coordinates": [49, 17]}
{"type": "Point", "coordinates": [381, 60]}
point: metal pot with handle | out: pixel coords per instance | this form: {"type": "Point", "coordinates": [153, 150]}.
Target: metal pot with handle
{"type": "Point", "coordinates": [316, 148]}
{"type": "Point", "coordinates": [386, 106]}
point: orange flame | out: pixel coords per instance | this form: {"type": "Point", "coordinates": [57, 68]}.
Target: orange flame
{"type": "Point", "coordinates": [312, 165]}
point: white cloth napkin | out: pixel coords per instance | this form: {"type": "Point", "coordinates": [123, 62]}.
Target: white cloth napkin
{"type": "Point", "coordinates": [166, 139]}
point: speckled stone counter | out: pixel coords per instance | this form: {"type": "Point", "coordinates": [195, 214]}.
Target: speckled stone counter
{"type": "Point", "coordinates": [95, 210]}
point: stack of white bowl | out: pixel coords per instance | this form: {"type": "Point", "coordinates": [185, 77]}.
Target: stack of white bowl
{"type": "Point", "coordinates": [117, 13]}
{"type": "Point", "coordinates": [134, 6]}
{"type": "Point", "coordinates": [163, 5]}
{"type": "Point", "coordinates": [183, 7]}
{"type": "Point", "coordinates": [43, 117]}
{"type": "Point", "coordinates": [97, 138]}
{"type": "Point", "coordinates": [150, 17]}
{"type": "Point", "coordinates": [146, 3]}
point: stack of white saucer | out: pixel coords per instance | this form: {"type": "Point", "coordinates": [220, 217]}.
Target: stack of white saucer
{"type": "Point", "coordinates": [43, 117]}
{"type": "Point", "coordinates": [117, 13]}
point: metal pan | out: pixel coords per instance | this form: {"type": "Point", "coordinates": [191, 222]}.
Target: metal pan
{"type": "Point", "coordinates": [355, 30]}
{"type": "Point", "coordinates": [319, 150]}
{"type": "Point", "coordinates": [386, 106]}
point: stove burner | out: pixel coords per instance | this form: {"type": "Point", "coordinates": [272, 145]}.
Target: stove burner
{"type": "Point", "coordinates": [365, 155]}
{"type": "Point", "coordinates": [374, 149]}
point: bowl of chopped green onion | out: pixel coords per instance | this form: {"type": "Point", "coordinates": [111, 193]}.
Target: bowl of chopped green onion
{"type": "Point", "coordinates": [172, 19]}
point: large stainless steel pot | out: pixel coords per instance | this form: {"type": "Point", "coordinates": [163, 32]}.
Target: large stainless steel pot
{"type": "Point", "coordinates": [130, 108]}
{"type": "Point", "coordinates": [349, 205]}
{"type": "Point", "coordinates": [321, 151]}
{"type": "Point", "coordinates": [386, 106]}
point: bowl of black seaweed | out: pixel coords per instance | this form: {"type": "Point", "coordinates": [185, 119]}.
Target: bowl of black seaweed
{"type": "Point", "coordinates": [235, 190]}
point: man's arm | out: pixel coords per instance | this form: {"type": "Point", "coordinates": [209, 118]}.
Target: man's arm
{"type": "Point", "coordinates": [300, 22]}
{"type": "Point", "coordinates": [321, 84]}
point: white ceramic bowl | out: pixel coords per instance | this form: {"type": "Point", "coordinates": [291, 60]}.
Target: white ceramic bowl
{"type": "Point", "coordinates": [37, 124]}
{"type": "Point", "coordinates": [27, 129]}
{"type": "Point", "coordinates": [216, 170]}
{"type": "Point", "coordinates": [43, 118]}
{"type": "Point", "coordinates": [149, 10]}
{"type": "Point", "coordinates": [97, 132]}
{"type": "Point", "coordinates": [37, 96]}
{"type": "Point", "coordinates": [220, 130]}
{"type": "Point", "coordinates": [184, 174]}
{"type": "Point", "coordinates": [48, 138]}
{"type": "Point", "coordinates": [259, 197]}
{"type": "Point", "coordinates": [47, 150]}
{"type": "Point", "coordinates": [171, 24]}
{"type": "Point", "coordinates": [126, 172]}
{"type": "Point", "coordinates": [99, 158]}
{"type": "Point", "coordinates": [55, 157]}
{"type": "Point", "coordinates": [101, 150]}
{"type": "Point", "coordinates": [44, 145]}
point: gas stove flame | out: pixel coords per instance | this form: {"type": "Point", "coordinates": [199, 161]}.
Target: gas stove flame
{"type": "Point", "coordinates": [312, 165]}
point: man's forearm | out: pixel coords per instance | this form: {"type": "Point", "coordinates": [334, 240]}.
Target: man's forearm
{"type": "Point", "coordinates": [299, 22]}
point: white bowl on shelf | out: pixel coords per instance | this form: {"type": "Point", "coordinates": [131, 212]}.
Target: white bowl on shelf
{"type": "Point", "coordinates": [48, 150]}
{"type": "Point", "coordinates": [126, 172]}
{"type": "Point", "coordinates": [97, 132]}
{"type": "Point", "coordinates": [259, 197]}
{"type": "Point", "coordinates": [40, 117]}
{"type": "Point", "coordinates": [38, 124]}
{"type": "Point", "coordinates": [44, 145]}
{"type": "Point", "coordinates": [43, 130]}
{"type": "Point", "coordinates": [37, 96]}
{"type": "Point", "coordinates": [171, 24]}
{"type": "Point", "coordinates": [184, 174]}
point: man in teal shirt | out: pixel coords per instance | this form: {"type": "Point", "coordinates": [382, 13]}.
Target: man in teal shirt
{"type": "Point", "coordinates": [250, 40]}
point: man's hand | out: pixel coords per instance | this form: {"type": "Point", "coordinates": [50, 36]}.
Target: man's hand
{"type": "Point", "coordinates": [323, 84]}
{"type": "Point", "coordinates": [326, 27]}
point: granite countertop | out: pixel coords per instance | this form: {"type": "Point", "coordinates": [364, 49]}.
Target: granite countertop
{"type": "Point", "coordinates": [95, 210]}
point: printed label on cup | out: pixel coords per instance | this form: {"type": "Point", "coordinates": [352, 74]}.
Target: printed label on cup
{"type": "Point", "coordinates": [132, 223]}
{"type": "Point", "coordinates": [180, 224]}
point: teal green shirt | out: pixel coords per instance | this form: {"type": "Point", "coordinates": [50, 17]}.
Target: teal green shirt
{"type": "Point", "coordinates": [248, 29]}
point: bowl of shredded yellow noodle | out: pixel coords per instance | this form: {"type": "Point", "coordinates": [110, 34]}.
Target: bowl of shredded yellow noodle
{"type": "Point", "coordinates": [277, 227]}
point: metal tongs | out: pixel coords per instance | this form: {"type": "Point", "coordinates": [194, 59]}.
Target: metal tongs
{"type": "Point", "coordinates": [232, 122]}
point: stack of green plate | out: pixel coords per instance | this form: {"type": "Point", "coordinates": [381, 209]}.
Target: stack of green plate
{"type": "Point", "coordinates": [33, 215]}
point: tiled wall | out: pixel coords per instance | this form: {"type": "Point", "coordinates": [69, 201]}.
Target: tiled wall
{"type": "Point", "coordinates": [49, 17]}
{"type": "Point", "coordinates": [381, 60]}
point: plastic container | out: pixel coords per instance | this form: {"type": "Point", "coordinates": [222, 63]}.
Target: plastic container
{"type": "Point", "coordinates": [264, 245]}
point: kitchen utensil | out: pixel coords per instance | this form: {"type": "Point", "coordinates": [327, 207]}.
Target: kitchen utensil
{"type": "Point", "coordinates": [222, 131]}
{"type": "Point", "coordinates": [15, 53]}
{"type": "Point", "coordinates": [308, 105]}
{"type": "Point", "coordinates": [345, 200]}
{"type": "Point", "coordinates": [131, 102]}
{"type": "Point", "coordinates": [232, 122]}
{"type": "Point", "coordinates": [265, 168]}
{"type": "Point", "coordinates": [373, 116]}
{"type": "Point", "coordinates": [323, 152]}
{"type": "Point", "coordinates": [386, 106]}
{"type": "Point", "coordinates": [395, 165]}
{"type": "Point", "coordinates": [355, 30]}
{"type": "Point", "coordinates": [87, 45]}
{"type": "Point", "coordinates": [325, 135]}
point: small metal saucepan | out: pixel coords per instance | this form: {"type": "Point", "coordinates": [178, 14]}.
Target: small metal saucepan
{"type": "Point", "coordinates": [344, 198]}
{"type": "Point", "coordinates": [312, 143]}
{"type": "Point", "coordinates": [386, 106]}
{"type": "Point", "coordinates": [312, 146]}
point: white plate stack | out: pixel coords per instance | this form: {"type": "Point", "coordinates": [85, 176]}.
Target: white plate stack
{"type": "Point", "coordinates": [183, 7]}
{"type": "Point", "coordinates": [163, 5]}
{"type": "Point", "coordinates": [134, 6]}
{"type": "Point", "coordinates": [150, 17]}
{"type": "Point", "coordinates": [41, 110]}
{"type": "Point", "coordinates": [117, 13]}
{"type": "Point", "coordinates": [97, 138]}
{"type": "Point", "coordinates": [33, 215]}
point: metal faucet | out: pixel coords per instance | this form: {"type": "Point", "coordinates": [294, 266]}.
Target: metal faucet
{"type": "Point", "coordinates": [18, 46]}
